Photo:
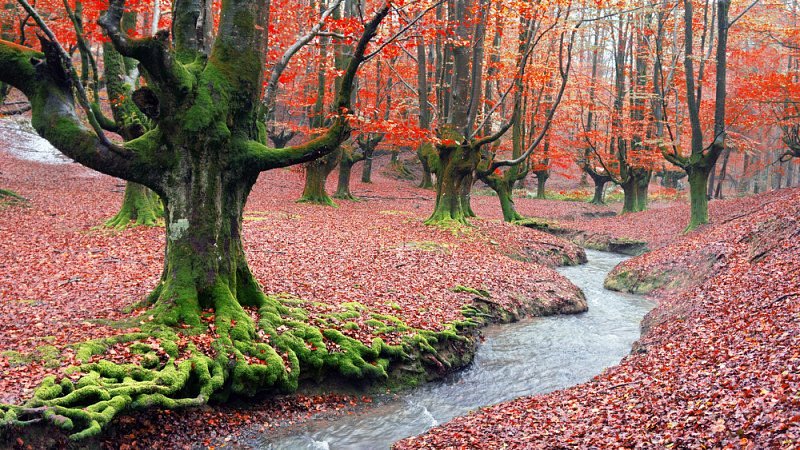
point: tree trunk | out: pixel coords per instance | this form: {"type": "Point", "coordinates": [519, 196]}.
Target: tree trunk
{"type": "Point", "coordinates": [723, 173]}
{"type": "Point", "coordinates": [427, 178]}
{"type": "Point", "coordinates": [642, 189]}
{"type": "Point", "coordinates": [204, 264]}
{"type": "Point", "coordinates": [345, 169]}
{"type": "Point", "coordinates": [140, 205]}
{"type": "Point", "coordinates": [366, 171]}
{"type": "Point", "coordinates": [629, 192]}
{"type": "Point", "coordinates": [466, 196]}
{"type": "Point", "coordinates": [457, 163]}
{"type": "Point", "coordinates": [316, 176]}
{"type": "Point", "coordinates": [698, 181]}
{"type": "Point", "coordinates": [600, 182]}
{"type": "Point", "coordinates": [426, 152]}
{"type": "Point", "coordinates": [599, 193]}
{"type": "Point", "coordinates": [541, 179]}
{"type": "Point", "coordinates": [502, 186]}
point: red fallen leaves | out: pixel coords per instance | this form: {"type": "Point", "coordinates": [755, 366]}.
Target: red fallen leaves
{"type": "Point", "coordinates": [61, 279]}
{"type": "Point", "coordinates": [721, 360]}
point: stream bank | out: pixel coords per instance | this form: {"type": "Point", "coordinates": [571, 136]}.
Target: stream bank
{"type": "Point", "coordinates": [532, 356]}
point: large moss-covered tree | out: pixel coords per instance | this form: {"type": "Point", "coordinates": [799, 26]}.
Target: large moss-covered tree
{"type": "Point", "coordinates": [202, 156]}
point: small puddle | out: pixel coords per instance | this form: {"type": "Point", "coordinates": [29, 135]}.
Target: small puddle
{"type": "Point", "coordinates": [529, 357]}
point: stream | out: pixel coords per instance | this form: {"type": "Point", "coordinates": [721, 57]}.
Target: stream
{"type": "Point", "coordinates": [533, 356]}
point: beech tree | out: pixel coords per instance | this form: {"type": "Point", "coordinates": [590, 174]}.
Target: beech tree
{"type": "Point", "coordinates": [703, 158]}
{"type": "Point", "coordinates": [202, 156]}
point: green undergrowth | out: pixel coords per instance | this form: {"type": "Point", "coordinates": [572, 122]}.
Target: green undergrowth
{"type": "Point", "coordinates": [271, 347]}
{"type": "Point", "coordinates": [46, 355]}
{"type": "Point", "coordinates": [9, 198]}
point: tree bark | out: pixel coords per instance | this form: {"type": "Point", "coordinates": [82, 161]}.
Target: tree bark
{"type": "Point", "coordinates": [140, 205]}
{"type": "Point", "coordinates": [457, 163]}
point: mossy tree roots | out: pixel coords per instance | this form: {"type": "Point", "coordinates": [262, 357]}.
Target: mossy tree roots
{"type": "Point", "coordinates": [140, 207]}
{"type": "Point", "coordinates": [231, 349]}
{"type": "Point", "coordinates": [317, 173]}
{"type": "Point", "coordinates": [455, 175]}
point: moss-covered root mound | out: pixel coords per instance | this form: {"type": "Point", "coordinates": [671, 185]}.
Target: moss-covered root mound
{"type": "Point", "coordinates": [140, 207]}
{"type": "Point", "coordinates": [228, 350]}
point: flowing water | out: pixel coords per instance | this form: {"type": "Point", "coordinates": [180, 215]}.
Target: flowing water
{"type": "Point", "coordinates": [533, 356]}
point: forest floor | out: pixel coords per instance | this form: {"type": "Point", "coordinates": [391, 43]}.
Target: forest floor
{"type": "Point", "coordinates": [64, 280]}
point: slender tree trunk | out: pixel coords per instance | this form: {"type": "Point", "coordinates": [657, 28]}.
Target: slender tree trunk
{"type": "Point", "coordinates": [366, 171]}
{"type": "Point", "coordinates": [422, 154]}
{"type": "Point", "coordinates": [744, 182]}
{"type": "Point", "coordinates": [723, 173]}
{"type": "Point", "coordinates": [642, 189]}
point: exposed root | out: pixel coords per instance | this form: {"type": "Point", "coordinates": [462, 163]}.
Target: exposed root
{"type": "Point", "coordinates": [140, 207]}
{"type": "Point", "coordinates": [189, 356]}
{"type": "Point", "coordinates": [346, 196]}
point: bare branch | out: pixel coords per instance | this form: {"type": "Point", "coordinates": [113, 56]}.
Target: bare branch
{"type": "Point", "coordinates": [66, 63]}
{"type": "Point", "coordinates": [402, 30]}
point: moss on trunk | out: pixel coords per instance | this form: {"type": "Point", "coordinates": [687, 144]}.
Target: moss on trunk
{"type": "Point", "coordinates": [698, 180]}
{"type": "Point", "coordinates": [502, 186]}
{"type": "Point", "coordinates": [424, 151]}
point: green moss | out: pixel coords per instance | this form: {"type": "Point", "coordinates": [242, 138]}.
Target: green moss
{"type": "Point", "coordinates": [535, 222]}
{"type": "Point", "coordinates": [478, 292]}
{"type": "Point", "coordinates": [11, 197]}
{"type": "Point", "coordinates": [16, 358]}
